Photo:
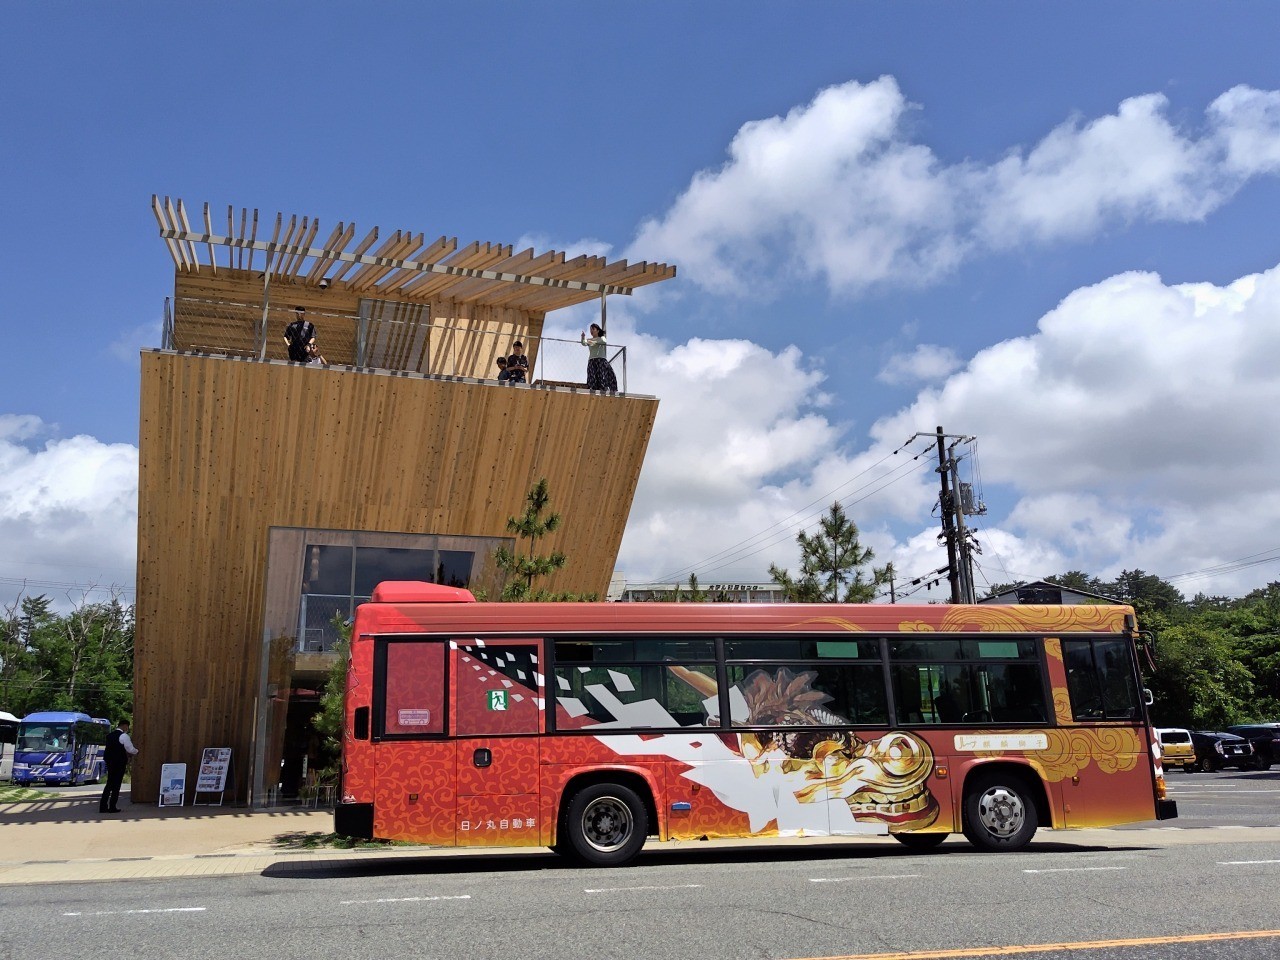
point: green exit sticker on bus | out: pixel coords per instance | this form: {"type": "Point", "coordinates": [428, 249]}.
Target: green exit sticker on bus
{"type": "Point", "coordinates": [497, 699]}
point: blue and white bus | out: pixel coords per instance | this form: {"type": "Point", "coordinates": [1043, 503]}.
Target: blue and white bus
{"type": "Point", "coordinates": [8, 737]}
{"type": "Point", "coordinates": [59, 748]}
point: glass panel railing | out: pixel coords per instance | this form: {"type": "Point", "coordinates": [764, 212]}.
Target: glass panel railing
{"type": "Point", "coordinates": [383, 336]}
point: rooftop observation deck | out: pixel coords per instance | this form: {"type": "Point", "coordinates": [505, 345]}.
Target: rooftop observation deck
{"type": "Point", "coordinates": [398, 302]}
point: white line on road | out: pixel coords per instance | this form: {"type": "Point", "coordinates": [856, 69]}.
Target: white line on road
{"type": "Point", "coordinates": [1243, 863]}
{"type": "Point", "coordinates": [347, 903]}
{"type": "Point", "coordinates": [109, 913]}
{"type": "Point", "coordinates": [883, 876]}
{"type": "Point", "coordinates": [1073, 869]}
{"type": "Point", "coordinates": [678, 886]}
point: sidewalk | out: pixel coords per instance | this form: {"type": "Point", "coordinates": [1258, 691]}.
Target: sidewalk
{"type": "Point", "coordinates": [66, 838]}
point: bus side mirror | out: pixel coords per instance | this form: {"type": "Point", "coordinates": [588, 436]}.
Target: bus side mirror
{"type": "Point", "coordinates": [1147, 697]}
{"type": "Point", "coordinates": [362, 723]}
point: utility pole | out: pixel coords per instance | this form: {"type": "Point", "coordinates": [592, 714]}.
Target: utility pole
{"type": "Point", "coordinates": [964, 557]}
{"type": "Point", "coordinates": [959, 558]}
{"type": "Point", "coordinates": [893, 596]}
{"type": "Point", "coordinates": [947, 503]}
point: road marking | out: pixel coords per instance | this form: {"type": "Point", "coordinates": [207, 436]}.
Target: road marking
{"type": "Point", "coordinates": [347, 903]}
{"type": "Point", "coordinates": [1073, 869]}
{"type": "Point", "coordinates": [1056, 947]}
{"type": "Point", "coordinates": [883, 876]}
{"type": "Point", "coordinates": [678, 886]}
{"type": "Point", "coordinates": [109, 913]}
{"type": "Point", "coordinates": [1243, 863]}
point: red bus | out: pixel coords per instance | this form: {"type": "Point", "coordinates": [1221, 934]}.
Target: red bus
{"type": "Point", "coordinates": [588, 727]}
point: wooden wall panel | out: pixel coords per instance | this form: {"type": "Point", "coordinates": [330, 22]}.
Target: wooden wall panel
{"type": "Point", "coordinates": [229, 448]}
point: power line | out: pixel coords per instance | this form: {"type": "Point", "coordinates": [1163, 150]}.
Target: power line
{"type": "Point", "coordinates": [690, 568]}
{"type": "Point", "coordinates": [67, 585]}
{"type": "Point", "coordinates": [785, 535]}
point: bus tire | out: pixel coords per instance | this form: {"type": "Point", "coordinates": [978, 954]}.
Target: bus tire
{"type": "Point", "coordinates": [999, 812]}
{"type": "Point", "coordinates": [605, 825]}
{"type": "Point", "coordinates": [920, 841]}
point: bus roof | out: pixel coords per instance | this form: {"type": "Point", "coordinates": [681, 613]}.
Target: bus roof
{"type": "Point", "coordinates": [437, 615]}
{"type": "Point", "coordinates": [59, 716]}
{"type": "Point", "coordinates": [8, 717]}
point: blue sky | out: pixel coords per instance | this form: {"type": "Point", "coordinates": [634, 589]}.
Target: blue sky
{"type": "Point", "coordinates": [1002, 181]}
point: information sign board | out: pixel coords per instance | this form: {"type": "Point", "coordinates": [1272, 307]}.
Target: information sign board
{"type": "Point", "coordinates": [173, 784]}
{"type": "Point", "coordinates": [214, 764]}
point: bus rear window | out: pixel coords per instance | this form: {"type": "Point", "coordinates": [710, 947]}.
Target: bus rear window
{"type": "Point", "coordinates": [415, 683]}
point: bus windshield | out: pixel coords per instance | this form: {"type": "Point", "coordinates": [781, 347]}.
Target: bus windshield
{"type": "Point", "coordinates": [44, 736]}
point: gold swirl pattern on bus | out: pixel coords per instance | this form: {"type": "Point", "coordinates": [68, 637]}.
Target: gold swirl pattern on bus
{"type": "Point", "coordinates": [1113, 749]}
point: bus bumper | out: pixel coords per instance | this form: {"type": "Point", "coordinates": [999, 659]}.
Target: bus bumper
{"type": "Point", "coordinates": [1166, 809]}
{"type": "Point", "coordinates": [353, 820]}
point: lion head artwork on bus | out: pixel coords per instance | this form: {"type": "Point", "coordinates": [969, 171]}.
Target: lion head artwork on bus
{"type": "Point", "coordinates": [823, 779]}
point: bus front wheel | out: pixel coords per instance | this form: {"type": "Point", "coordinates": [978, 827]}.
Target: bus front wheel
{"type": "Point", "coordinates": [999, 812]}
{"type": "Point", "coordinates": [605, 825]}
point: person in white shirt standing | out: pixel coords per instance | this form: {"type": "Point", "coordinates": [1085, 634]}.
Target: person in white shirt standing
{"type": "Point", "coordinates": [116, 756]}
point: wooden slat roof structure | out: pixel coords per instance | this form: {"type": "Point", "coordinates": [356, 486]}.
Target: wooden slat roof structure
{"type": "Point", "coordinates": [404, 266]}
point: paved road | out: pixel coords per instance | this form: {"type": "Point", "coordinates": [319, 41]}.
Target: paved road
{"type": "Point", "coordinates": [1205, 879]}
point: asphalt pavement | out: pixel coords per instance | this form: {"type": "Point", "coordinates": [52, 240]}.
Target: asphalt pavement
{"type": "Point", "coordinates": [1188, 888]}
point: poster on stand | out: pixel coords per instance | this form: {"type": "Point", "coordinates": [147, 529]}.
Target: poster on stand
{"type": "Point", "coordinates": [173, 784]}
{"type": "Point", "coordinates": [214, 764]}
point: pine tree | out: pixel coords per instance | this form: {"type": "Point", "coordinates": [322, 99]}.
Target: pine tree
{"type": "Point", "coordinates": [831, 562]}
{"type": "Point", "coordinates": [522, 570]}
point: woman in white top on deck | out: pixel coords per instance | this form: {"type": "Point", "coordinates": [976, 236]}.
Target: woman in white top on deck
{"type": "Point", "coordinates": [599, 372]}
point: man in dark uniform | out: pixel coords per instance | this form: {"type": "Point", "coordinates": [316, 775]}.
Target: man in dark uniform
{"type": "Point", "coordinates": [116, 756]}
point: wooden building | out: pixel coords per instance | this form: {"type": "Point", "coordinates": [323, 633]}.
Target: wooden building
{"type": "Point", "coordinates": [268, 489]}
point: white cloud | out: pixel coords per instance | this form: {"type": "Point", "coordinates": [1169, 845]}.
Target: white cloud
{"type": "Point", "coordinates": [129, 343]}
{"type": "Point", "coordinates": [838, 190]}
{"type": "Point", "coordinates": [68, 511]}
{"type": "Point", "coordinates": [1134, 425]}
{"type": "Point", "coordinates": [926, 363]}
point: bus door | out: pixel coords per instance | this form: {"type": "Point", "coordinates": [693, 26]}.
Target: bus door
{"type": "Point", "coordinates": [416, 790]}
{"type": "Point", "coordinates": [497, 708]}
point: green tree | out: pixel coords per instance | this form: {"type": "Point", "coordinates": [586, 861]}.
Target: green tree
{"type": "Point", "coordinates": [831, 562]}
{"type": "Point", "coordinates": [329, 721]}
{"type": "Point", "coordinates": [1199, 681]}
{"type": "Point", "coordinates": [522, 569]}
{"type": "Point", "coordinates": [81, 660]}
{"type": "Point", "coordinates": [1146, 593]}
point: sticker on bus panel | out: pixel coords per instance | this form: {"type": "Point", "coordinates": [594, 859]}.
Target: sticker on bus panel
{"type": "Point", "coordinates": [981, 742]}
{"type": "Point", "coordinates": [414, 718]}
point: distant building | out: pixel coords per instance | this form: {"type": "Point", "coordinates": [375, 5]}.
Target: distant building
{"type": "Point", "coordinates": [1042, 591]}
{"type": "Point", "coordinates": [723, 592]}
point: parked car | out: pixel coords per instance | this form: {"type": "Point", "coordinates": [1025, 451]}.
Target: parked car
{"type": "Point", "coordinates": [1216, 750]}
{"type": "Point", "coordinates": [1265, 738]}
{"type": "Point", "coordinates": [1176, 749]}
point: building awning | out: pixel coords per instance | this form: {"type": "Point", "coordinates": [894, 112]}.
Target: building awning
{"type": "Point", "coordinates": [404, 266]}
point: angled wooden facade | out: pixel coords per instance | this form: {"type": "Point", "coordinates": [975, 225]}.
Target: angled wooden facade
{"type": "Point", "coordinates": [236, 442]}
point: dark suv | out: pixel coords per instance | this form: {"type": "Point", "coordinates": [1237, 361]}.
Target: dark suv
{"type": "Point", "coordinates": [1265, 738]}
{"type": "Point", "coordinates": [1215, 750]}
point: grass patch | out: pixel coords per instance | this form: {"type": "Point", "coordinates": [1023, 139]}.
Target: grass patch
{"type": "Point", "coordinates": [12, 794]}
{"type": "Point", "coordinates": [315, 840]}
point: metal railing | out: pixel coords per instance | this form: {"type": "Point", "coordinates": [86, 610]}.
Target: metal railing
{"type": "Point", "coordinates": [383, 336]}
{"type": "Point", "coordinates": [316, 631]}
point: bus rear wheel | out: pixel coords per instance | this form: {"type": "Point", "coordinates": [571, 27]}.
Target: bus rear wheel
{"type": "Point", "coordinates": [605, 825]}
{"type": "Point", "coordinates": [920, 841]}
{"type": "Point", "coordinates": [999, 812]}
